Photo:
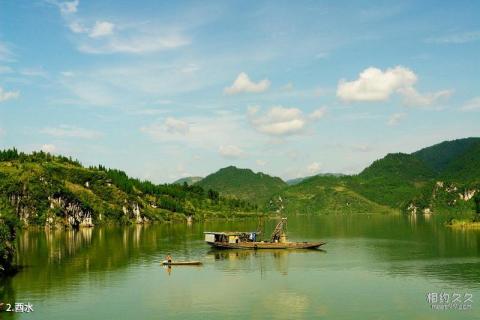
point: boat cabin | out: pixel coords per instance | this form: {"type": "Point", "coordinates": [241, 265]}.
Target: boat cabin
{"type": "Point", "coordinates": [230, 237]}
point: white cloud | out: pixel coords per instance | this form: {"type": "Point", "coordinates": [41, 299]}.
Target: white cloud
{"type": "Point", "coordinates": [105, 37]}
{"type": "Point", "coordinates": [243, 84]}
{"type": "Point", "coordinates": [412, 97]}
{"type": "Point", "coordinates": [77, 27]}
{"type": "Point", "coordinates": [457, 38]}
{"type": "Point", "coordinates": [374, 84]}
{"type": "Point", "coordinates": [319, 113]}
{"type": "Point", "coordinates": [68, 7]}
{"type": "Point", "coordinates": [7, 95]}
{"type": "Point", "coordinates": [279, 120]}
{"type": "Point", "coordinates": [49, 148]}
{"type": "Point", "coordinates": [471, 105]}
{"type": "Point", "coordinates": [71, 132]}
{"type": "Point", "coordinates": [173, 125]}
{"type": "Point", "coordinates": [396, 118]}
{"type": "Point", "coordinates": [314, 168]}
{"type": "Point", "coordinates": [101, 29]}
{"type": "Point", "coordinates": [230, 152]}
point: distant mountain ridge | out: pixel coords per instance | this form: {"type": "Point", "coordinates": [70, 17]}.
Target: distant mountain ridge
{"type": "Point", "coordinates": [188, 180]}
{"type": "Point", "coordinates": [295, 181]}
{"type": "Point", "coordinates": [442, 178]}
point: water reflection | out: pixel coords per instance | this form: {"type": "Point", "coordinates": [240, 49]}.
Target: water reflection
{"type": "Point", "coordinates": [58, 263]}
{"type": "Point", "coordinates": [263, 259]}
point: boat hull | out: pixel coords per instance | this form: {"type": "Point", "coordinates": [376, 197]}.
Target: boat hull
{"type": "Point", "coordinates": [266, 245]}
{"type": "Point", "coordinates": [181, 263]}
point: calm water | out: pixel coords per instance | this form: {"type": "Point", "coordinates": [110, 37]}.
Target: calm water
{"type": "Point", "coordinates": [373, 267]}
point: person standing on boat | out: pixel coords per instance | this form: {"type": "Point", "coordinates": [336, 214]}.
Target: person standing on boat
{"type": "Point", "coordinates": [169, 259]}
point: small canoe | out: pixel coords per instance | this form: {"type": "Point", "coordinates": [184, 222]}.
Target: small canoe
{"type": "Point", "coordinates": [181, 263]}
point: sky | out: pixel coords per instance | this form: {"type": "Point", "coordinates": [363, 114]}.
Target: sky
{"type": "Point", "coordinates": [169, 89]}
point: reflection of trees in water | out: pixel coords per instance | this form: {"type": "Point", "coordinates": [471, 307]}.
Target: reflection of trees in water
{"type": "Point", "coordinates": [57, 258]}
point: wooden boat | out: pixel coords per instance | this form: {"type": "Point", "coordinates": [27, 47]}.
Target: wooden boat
{"type": "Point", "coordinates": [267, 245]}
{"type": "Point", "coordinates": [248, 240]}
{"type": "Point", "coordinates": [181, 263]}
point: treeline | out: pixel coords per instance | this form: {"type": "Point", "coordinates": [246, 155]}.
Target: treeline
{"type": "Point", "coordinates": [14, 154]}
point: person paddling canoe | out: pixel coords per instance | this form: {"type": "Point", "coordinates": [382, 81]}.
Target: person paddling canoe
{"type": "Point", "coordinates": [169, 259]}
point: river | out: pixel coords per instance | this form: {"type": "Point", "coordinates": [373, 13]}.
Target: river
{"type": "Point", "coordinates": [372, 267]}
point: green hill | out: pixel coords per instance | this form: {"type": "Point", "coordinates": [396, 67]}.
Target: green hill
{"type": "Point", "coordinates": [392, 180]}
{"type": "Point", "coordinates": [243, 184]}
{"type": "Point", "coordinates": [439, 156]}
{"type": "Point", "coordinates": [323, 195]}
{"type": "Point", "coordinates": [43, 189]}
{"type": "Point", "coordinates": [444, 178]}
{"type": "Point", "coordinates": [464, 168]}
{"type": "Point", "coordinates": [188, 180]}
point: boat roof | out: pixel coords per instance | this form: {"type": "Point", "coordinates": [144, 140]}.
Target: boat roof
{"type": "Point", "coordinates": [230, 233]}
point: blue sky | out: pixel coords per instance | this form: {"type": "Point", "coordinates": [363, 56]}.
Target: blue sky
{"type": "Point", "coordinates": [169, 89]}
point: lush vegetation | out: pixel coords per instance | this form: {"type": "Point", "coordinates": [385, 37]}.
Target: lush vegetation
{"type": "Point", "coordinates": [325, 195]}
{"type": "Point", "coordinates": [7, 240]}
{"type": "Point", "coordinates": [243, 184]}
{"type": "Point", "coordinates": [53, 191]}
{"type": "Point", "coordinates": [393, 180]}
{"type": "Point", "coordinates": [439, 156]}
{"type": "Point", "coordinates": [444, 178]}
{"type": "Point", "coordinates": [41, 188]}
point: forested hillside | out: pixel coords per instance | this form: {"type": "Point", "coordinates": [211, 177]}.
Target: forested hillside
{"type": "Point", "coordinates": [43, 189]}
{"type": "Point", "coordinates": [444, 178]}
{"type": "Point", "coordinates": [243, 184]}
